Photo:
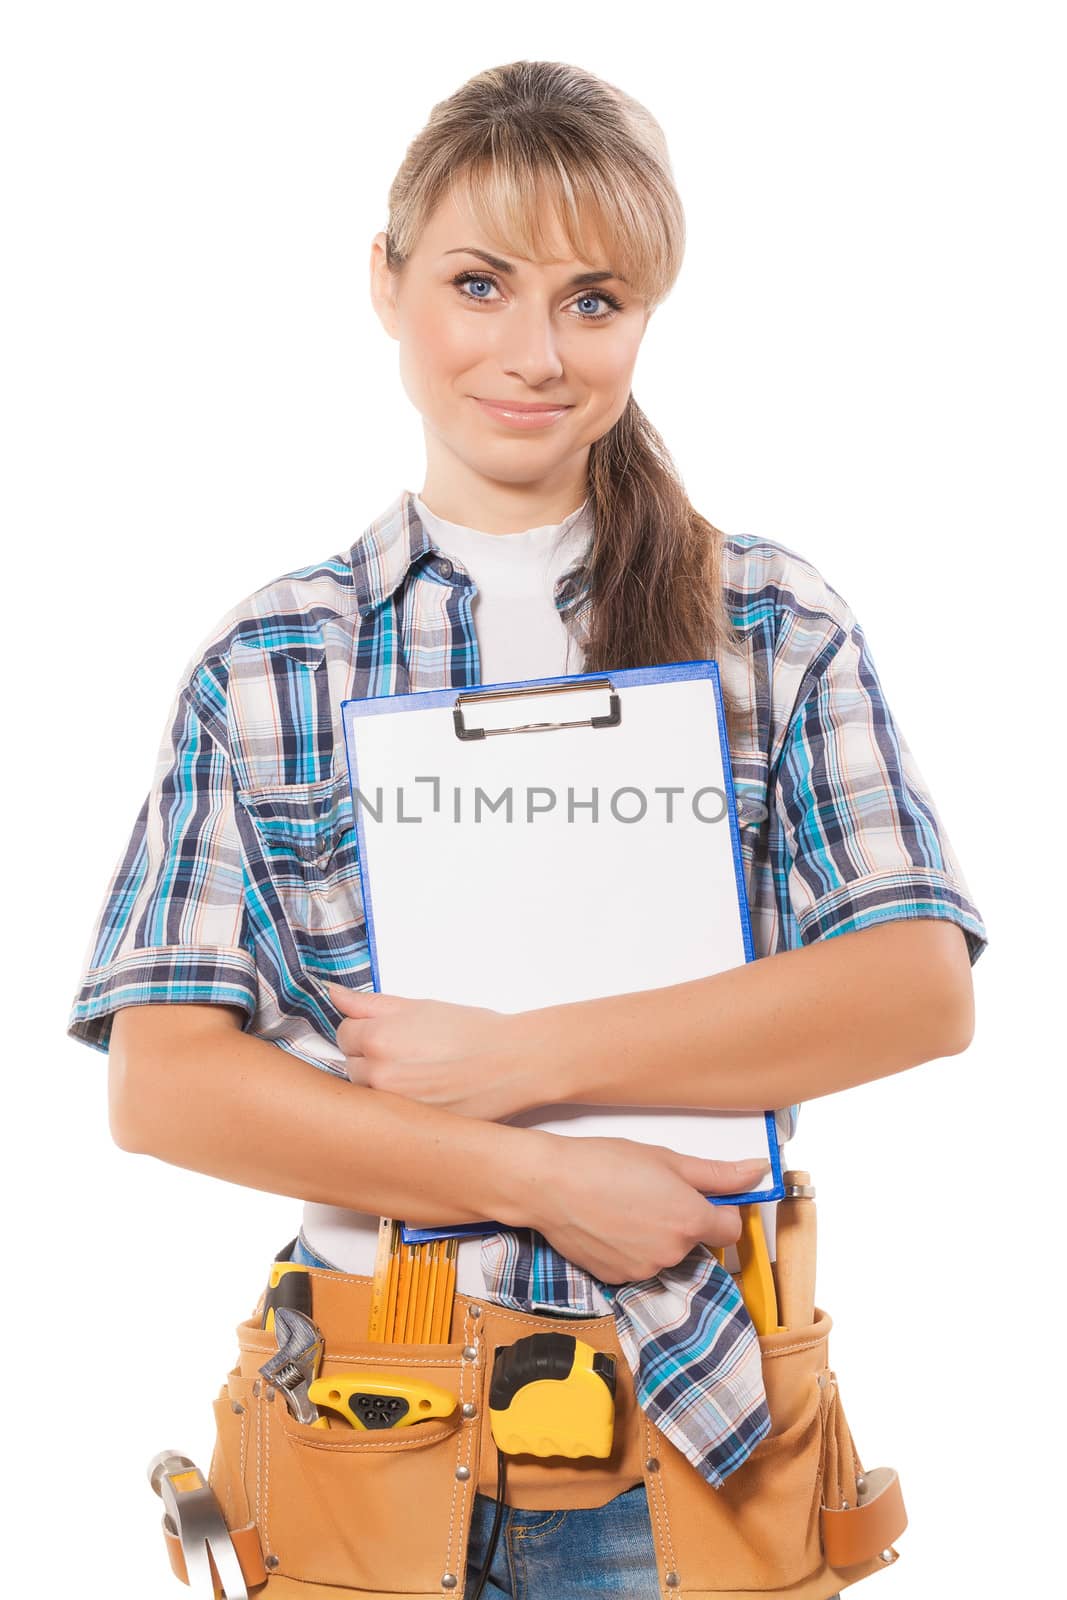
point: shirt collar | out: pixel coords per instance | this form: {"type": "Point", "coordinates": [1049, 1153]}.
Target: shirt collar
{"type": "Point", "coordinates": [397, 541]}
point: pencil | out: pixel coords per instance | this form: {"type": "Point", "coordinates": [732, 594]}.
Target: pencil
{"type": "Point", "coordinates": [442, 1281]}
{"type": "Point", "coordinates": [430, 1309]}
{"type": "Point", "coordinates": [416, 1286]}
{"type": "Point", "coordinates": [443, 1329]}
{"type": "Point", "coordinates": [450, 1291]}
{"type": "Point", "coordinates": [413, 1290]}
{"type": "Point", "coordinates": [403, 1290]}
{"type": "Point", "coordinates": [419, 1300]}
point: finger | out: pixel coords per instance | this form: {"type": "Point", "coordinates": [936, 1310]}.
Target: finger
{"type": "Point", "coordinates": [350, 1037]}
{"type": "Point", "coordinates": [358, 1002]}
{"type": "Point", "coordinates": [357, 1071]}
{"type": "Point", "coordinates": [721, 1177]}
{"type": "Point", "coordinates": [724, 1226]}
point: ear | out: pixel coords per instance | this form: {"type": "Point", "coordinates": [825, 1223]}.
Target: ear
{"type": "Point", "coordinates": [382, 286]}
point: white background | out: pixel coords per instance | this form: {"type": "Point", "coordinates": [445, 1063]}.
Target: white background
{"type": "Point", "coordinates": [863, 359]}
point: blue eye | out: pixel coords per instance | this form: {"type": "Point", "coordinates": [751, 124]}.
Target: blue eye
{"type": "Point", "coordinates": [488, 278]}
{"type": "Point", "coordinates": [471, 280]}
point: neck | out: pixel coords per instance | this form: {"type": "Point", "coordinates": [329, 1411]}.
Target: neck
{"type": "Point", "coordinates": [494, 507]}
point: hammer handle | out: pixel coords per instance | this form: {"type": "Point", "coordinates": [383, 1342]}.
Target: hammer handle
{"type": "Point", "coordinates": [795, 1242]}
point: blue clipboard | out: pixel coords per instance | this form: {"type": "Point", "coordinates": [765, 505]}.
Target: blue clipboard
{"type": "Point", "coordinates": [470, 710]}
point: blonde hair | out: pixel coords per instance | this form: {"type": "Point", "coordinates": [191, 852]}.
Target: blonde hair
{"type": "Point", "coordinates": [536, 140]}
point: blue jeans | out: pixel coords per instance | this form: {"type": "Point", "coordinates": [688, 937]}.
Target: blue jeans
{"type": "Point", "coordinates": [558, 1555]}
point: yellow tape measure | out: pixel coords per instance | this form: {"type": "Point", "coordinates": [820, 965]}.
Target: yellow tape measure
{"type": "Point", "coordinates": [552, 1394]}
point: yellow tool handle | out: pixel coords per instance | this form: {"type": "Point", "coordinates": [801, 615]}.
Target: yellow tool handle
{"type": "Point", "coordinates": [289, 1285]}
{"type": "Point", "coordinates": [757, 1280]}
{"type": "Point", "coordinates": [373, 1399]}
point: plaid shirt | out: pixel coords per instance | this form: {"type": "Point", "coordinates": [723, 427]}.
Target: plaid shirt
{"type": "Point", "coordinates": [240, 880]}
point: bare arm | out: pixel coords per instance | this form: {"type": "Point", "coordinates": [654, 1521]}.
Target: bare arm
{"type": "Point", "coordinates": [786, 1029]}
{"type": "Point", "coordinates": [187, 1085]}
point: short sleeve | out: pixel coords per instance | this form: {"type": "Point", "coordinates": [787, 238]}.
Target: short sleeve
{"type": "Point", "coordinates": [172, 926]}
{"type": "Point", "coordinates": [862, 841]}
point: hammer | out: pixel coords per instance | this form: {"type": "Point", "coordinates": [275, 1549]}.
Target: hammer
{"type": "Point", "coordinates": [194, 1514]}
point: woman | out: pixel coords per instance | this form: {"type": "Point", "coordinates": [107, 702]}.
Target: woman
{"type": "Point", "coordinates": [533, 228]}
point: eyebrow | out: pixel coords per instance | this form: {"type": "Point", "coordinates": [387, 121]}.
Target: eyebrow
{"type": "Point", "coordinates": [507, 266]}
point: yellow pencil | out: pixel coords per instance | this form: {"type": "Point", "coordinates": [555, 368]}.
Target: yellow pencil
{"type": "Point", "coordinates": [429, 1310]}
{"type": "Point", "coordinates": [438, 1290]}
{"type": "Point", "coordinates": [413, 1289]}
{"type": "Point", "coordinates": [419, 1301]}
{"type": "Point", "coordinates": [443, 1331]}
{"type": "Point", "coordinates": [450, 1291]}
{"type": "Point", "coordinates": [438, 1299]}
{"type": "Point", "coordinates": [403, 1290]}
{"type": "Point", "coordinates": [413, 1293]}
{"type": "Point", "coordinates": [415, 1325]}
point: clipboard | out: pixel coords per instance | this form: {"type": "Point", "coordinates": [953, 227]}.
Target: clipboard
{"type": "Point", "coordinates": [520, 863]}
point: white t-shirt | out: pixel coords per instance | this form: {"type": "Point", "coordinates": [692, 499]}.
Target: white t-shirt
{"type": "Point", "coordinates": [520, 635]}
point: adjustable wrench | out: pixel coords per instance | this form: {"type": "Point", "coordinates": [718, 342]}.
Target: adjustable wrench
{"type": "Point", "coordinates": [295, 1363]}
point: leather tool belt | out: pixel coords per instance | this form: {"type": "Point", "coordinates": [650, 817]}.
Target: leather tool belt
{"type": "Point", "coordinates": [317, 1515]}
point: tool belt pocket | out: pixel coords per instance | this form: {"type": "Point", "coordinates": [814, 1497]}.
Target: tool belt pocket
{"type": "Point", "coordinates": [372, 1510]}
{"type": "Point", "coordinates": [793, 1511]}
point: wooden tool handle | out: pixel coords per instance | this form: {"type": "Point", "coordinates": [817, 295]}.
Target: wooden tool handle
{"type": "Point", "coordinates": [795, 1252]}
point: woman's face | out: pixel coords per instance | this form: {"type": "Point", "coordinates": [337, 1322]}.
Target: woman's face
{"type": "Point", "coordinates": [514, 331]}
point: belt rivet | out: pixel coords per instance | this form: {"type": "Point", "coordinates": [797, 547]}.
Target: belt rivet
{"type": "Point", "coordinates": [861, 1484]}
{"type": "Point", "coordinates": [463, 1473]}
{"type": "Point", "coordinates": [449, 1580]}
{"type": "Point", "coordinates": [652, 1464]}
{"type": "Point", "coordinates": [470, 1352]}
{"type": "Point", "coordinates": [237, 1407]}
{"type": "Point", "coordinates": [476, 1311]}
{"type": "Point", "coordinates": [469, 1410]}
{"type": "Point", "coordinates": [271, 1562]}
{"type": "Point", "coordinates": [672, 1580]}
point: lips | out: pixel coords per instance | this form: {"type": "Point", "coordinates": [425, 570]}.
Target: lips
{"type": "Point", "coordinates": [515, 405]}
{"type": "Point", "coordinates": [523, 419]}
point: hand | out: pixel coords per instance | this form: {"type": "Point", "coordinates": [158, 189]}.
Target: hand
{"type": "Point", "coordinates": [625, 1211]}
{"type": "Point", "coordinates": [458, 1058]}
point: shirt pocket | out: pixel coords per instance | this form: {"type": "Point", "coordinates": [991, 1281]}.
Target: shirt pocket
{"type": "Point", "coordinates": [305, 893]}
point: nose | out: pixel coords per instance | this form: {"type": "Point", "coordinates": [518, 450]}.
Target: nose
{"type": "Point", "coordinates": [531, 346]}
